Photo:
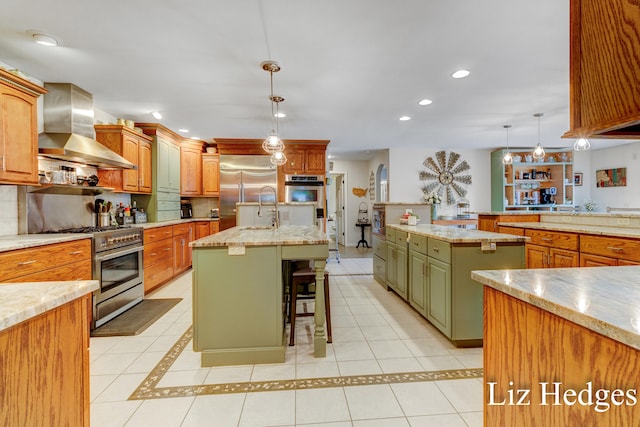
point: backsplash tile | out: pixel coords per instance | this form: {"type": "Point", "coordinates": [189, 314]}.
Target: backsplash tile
{"type": "Point", "coordinates": [9, 211]}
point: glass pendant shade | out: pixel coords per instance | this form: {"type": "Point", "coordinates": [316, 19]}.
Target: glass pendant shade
{"type": "Point", "coordinates": [582, 144]}
{"type": "Point", "coordinates": [507, 159]}
{"type": "Point", "coordinates": [273, 143]}
{"type": "Point", "coordinates": [278, 158]}
{"type": "Point", "coordinates": [538, 152]}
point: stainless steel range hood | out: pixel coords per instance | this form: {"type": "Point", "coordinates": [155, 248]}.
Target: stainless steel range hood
{"type": "Point", "coordinates": [68, 129]}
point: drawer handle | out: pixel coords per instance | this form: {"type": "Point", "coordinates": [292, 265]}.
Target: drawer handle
{"type": "Point", "coordinates": [167, 249]}
{"type": "Point", "coordinates": [75, 253]}
{"type": "Point", "coordinates": [153, 254]}
{"type": "Point", "coordinates": [167, 232]}
{"type": "Point", "coordinates": [615, 249]}
{"type": "Point", "coordinates": [546, 239]}
{"type": "Point", "coordinates": [436, 250]}
{"type": "Point", "coordinates": [151, 236]}
{"type": "Point", "coordinates": [27, 262]}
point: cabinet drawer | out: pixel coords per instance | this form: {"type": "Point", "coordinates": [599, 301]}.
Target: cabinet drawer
{"type": "Point", "coordinates": [33, 260]}
{"type": "Point", "coordinates": [379, 269]}
{"type": "Point", "coordinates": [379, 248]}
{"type": "Point", "coordinates": [168, 206]}
{"type": "Point", "coordinates": [154, 234]}
{"type": "Point", "coordinates": [179, 229]}
{"type": "Point", "coordinates": [555, 239]}
{"type": "Point", "coordinates": [166, 196]}
{"type": "Point", "coordinates": [79, 270]}
{"type": "Point", "coordinates": [401, 238]}
{"type": "Point", "coordinates": [418, 243]}
{"type": "Point", "coordinates": [511, 230]}
{"type": "Point", "coordinates": [391, 234]}
{"type": "Point", "coordinates": [158, 273]}
{"type": "Point", "coordinates": [614, 247]}
{"type": "Point", "coordinates": [439, 250]}
{"type": "Point", "coordinates": [157, 251]}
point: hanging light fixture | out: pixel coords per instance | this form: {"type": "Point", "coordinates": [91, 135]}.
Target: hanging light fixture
{"type": "Point", "coordinates": [507, 159]}
{"type": "Point", "coordinates": [538, 152]}
{"type": "Point", "coordinates": [582, 144]}
{"type": "Point", "coordinates": [273, 144]}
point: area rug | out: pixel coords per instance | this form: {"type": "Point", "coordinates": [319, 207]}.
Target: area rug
{"type": "Point", "coordinates": [138, 318]}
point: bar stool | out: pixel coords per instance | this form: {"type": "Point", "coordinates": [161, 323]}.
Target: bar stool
{"type": "Point", "coordinates": [306, 277]}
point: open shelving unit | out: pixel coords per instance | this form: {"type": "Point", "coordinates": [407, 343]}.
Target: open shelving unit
{"type": "Point", "coordinates": [520, 185]}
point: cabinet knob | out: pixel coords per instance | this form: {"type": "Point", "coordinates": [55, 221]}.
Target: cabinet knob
{"type": "Point", "coordinates": [27, 262]}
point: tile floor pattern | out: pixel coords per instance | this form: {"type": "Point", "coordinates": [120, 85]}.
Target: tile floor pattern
{"type": "Point", "coordinates": [401, 364]}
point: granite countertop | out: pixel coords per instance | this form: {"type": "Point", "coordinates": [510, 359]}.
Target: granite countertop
{"type": "Point", "coordinates": [577, 228]}
{"type": "Point", "coordinates": [458, 235]}
{"type": "Point", "coordinates": [22, 301]}
{"type": "Point", "coordinates": [561, 213]}
{"type": "Point", "coordinates": [264, 236]}
{"type": "Point", "coordinates": [400, 203]}
{"type": "Point", "coordinates": [147, 225]}
{"type": "Point", "coordinates": [602, 299]}
{"type": "Point", "coordinates": [24, 241]}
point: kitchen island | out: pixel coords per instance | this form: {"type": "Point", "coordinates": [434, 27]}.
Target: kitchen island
{"type": "Point", "coordinates": [238, 292]}
{"type": "Point", "coordinates": [561, 346]}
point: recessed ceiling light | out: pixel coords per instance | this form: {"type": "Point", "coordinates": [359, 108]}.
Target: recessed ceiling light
{"type": "Point", "coordinates": [330, 156]}
{"type": "Point", "coordinates": [460, 74]}
{"type": "Point", "coordinates": [45, 40]}
{"type": "Point", "coordinates": [156, 114]}
{"type": "Point", "coordinates": [280, 115]}
{"type": "Point", "coordinates": [405, 118]}
{"type": "Point", "coordinates": [425, 101]}
{"type": "Point", "coordinates": [183, 130]}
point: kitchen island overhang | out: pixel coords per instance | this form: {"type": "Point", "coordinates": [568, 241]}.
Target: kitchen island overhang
{"type": "Point", "coordinates": [238, 292]}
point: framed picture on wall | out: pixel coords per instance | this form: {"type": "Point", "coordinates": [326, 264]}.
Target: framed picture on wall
{"type": "Point", "coordinates": [611, 177]}
{"type": "Point", "coordinates": [577, 178]}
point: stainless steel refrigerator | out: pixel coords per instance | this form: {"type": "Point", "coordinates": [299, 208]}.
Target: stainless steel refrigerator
{"type": "Point", "coordinates": [241, 178]}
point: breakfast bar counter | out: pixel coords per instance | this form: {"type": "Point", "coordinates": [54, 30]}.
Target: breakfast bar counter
{"type": "Point", "coordinates": [561, 346]}
{"type": "Point", "coordinates": [238, 292]}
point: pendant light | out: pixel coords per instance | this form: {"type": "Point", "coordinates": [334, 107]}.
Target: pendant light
{"type": "Point", "coordinates": [507, 159]}
{"type": "Point", "coordinates": [538, 152]}
{"type": "Point", "coordinates": [582, 144]}
{"type": "Point", "coordinates": [273, 143]}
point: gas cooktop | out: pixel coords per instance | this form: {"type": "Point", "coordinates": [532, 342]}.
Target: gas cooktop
{"type": "Point", "coordinates": [89, 229]}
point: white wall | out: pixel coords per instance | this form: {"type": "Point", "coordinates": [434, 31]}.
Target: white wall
{"type": "Point", "coordinates": [622, 156]}
{"type": "Point", "coordinates": [405, 185]}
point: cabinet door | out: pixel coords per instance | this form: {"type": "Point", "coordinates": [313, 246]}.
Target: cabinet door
{"type": "Point", "coordinates": [214, 227]}
{"type": "Point", "coordinates": [391, 261]}
{"type": "Point", "coordinates": [163, 165]}
{"type": "Point", "coordinates": [210, 175]}
{"type": "Point", "coordinates": [190, 172]}
{"type": "Point", "coordinates": [180, 255]}
{"type": "Point", "coordinates": [202, 229]}
{"type": "Point", "coordinates": [144, 167]}
{"type": "Point", "coordinates": [439, 295]}
{"type": "Point", "coordinates": [536, 256]}
{"type": "Point", "coordinates": [560, 258]}
{"type": "Point", "coordinates": [174, 168]}
{"type": "Point", "coordinates": [18, 137]}
{"type": "Point", "coordinates": [314, 161]}
{"type": "Point", "coordinates": [295, 162]}
{"type": "Point", "coordinates": [418, 281]}
{"type": "Point", "coordinates": [402, 264]}
{"type": "Point", "coordinates": [588, 260]}
{"type": "Point", "coordinates": [131, 152]}
{"type": "Point", "coordinates": [487, 223]}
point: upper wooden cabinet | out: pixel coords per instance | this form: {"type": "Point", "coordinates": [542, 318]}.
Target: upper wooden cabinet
{"type": "Point", "coordinates": [605, 69]}
{"type": "Point", "coordinates": [134, 147]}
{"type": "Point", "coordinates": [303, 159]}
{"type": "Point", "coordinates": [211, 175]}
{"type": "Point", "coordinates": [191, 168]}
{"type": "Point", "coordinates": [18, 129]}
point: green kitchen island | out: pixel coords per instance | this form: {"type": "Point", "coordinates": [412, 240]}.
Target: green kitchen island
{"type": "Point", "coordinates": [238, 292]}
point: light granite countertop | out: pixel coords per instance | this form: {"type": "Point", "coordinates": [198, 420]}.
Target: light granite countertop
{"type": "Point", "coordinates": [577, 228]}
{"type": "Point", "coordinates": [147, 225]}
{"type": "Point", "coordinates": [458, 235]}
{"type": "Point", "coordinates": [561, 213]}
{"type": "Point", "coordinates": [264, 236]}
{"type": "Point", "coordinates": [22, 301]}
{"type": "Point", "coordinates": [24, 241]}
{"type": "Point", "coordinates": [603, 299]}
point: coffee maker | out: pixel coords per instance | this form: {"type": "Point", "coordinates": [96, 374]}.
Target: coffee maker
{"type": "Point", "coordinates": [547, 195]}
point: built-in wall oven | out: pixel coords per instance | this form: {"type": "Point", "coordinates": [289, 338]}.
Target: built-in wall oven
{"type": "Point", "coordinates": [118, 266]}
{"type": "Point", "coordinates": [306, 188]}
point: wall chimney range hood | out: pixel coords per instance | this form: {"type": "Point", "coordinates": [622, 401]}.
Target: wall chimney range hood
{"type": "Point", "coordinates": [68, 129]}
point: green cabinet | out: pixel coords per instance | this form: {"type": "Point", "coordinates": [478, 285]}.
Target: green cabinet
{"type": "Point", "coordinates": [379, 260]}
{"type": "Point", "coordinates": [438, 291]}
{"type": "Point", "coordinates": [418, 281]}
{"type": "Point", "coordinates": [168, 172]}
{"type": "Point", "coordinates": [397, 262]}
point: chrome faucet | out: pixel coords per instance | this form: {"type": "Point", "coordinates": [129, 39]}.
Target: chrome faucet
{"type": "Point", "coordinates": [275, 222]}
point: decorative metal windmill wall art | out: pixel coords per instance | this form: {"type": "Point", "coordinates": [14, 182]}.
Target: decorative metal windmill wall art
{"type": "Point", "coordinates": [447, 174]}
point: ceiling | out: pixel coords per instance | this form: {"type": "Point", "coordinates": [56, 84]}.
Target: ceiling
{"type": "Point", "coordinates": [350, 69]}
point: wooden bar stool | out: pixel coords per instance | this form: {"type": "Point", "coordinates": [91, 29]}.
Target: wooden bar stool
{"type": "Point", "coordinates": [306, 277]}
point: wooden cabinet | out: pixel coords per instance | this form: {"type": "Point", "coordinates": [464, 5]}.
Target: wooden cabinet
{"type": "Point", "coordinates": [596, 251]}
{"type": "Point", "coordinates": [439, 295]}
{"type": "Point", "coordinates": [397, 262]}
{"type": "Point", "coordinates": [520, 185]}
{"type": "Point", "coordinates": [214, 227]}
{"type": "Point", "coordinates": [306, 160]}
{"type": "Point", "coordinates": [191, 168]}
{"type": "Point", "coordinates": [202, 229]}
{"type": "Point", "coordinates": [158, 256]}
{"type": "Point", "coordinates": [490, 222]}
{"type": "Point", "coordinates": [18, 129]}
{"type": "Point", "coordinates": [604, 95]}
{"type": "Point", "coordinates": [182, 235]}
{"type": "Point", "coordinates": [45, 368]}
{"type": "Point", "coordinates": [134, 147]}
{"type": "Point", "coordinates": [168, 169]}
{"type": "Point", "coordinates": [552, 249]}
{"type": "Point", "coordinates": [59, 261]}
{"type": "Point", "coordinates": [211, 175]}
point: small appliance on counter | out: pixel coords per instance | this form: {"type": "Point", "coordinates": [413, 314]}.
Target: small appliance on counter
{"type": "Point", "coordinates": [215, 213]}
{"type": "Point", "coordinates": [186, 211]}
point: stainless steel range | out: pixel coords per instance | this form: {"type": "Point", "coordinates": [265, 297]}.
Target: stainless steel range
{"type": "Point", "coordinates": [117, 265]}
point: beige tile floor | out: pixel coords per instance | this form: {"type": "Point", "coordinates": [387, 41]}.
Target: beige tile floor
{"type": "Point", "coordinates": [385, 365]}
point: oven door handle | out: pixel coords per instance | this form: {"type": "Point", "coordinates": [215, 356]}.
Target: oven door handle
{"type": "Point", "coordinates": [118, 253]}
